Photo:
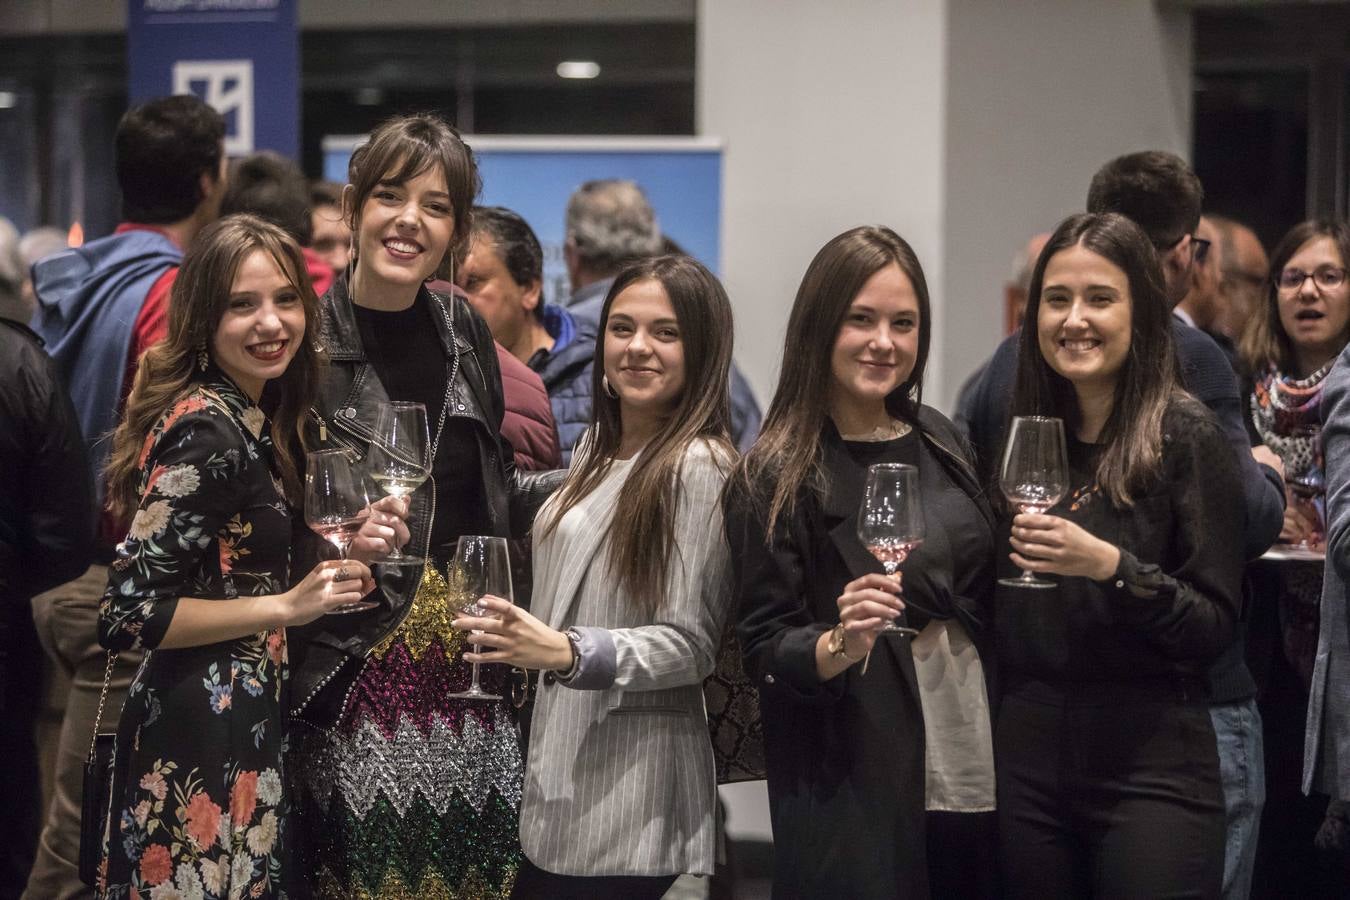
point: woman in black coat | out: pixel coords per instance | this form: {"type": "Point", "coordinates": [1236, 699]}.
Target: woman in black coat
{"type": "Point", "coordinates": [865, 800]}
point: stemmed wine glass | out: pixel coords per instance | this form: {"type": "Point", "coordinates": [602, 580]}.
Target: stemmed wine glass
{"type": "Point", "coordinates": [890, 523]}
{"type": "Point", "coordinates": [1035, 475]}
{"type": "Point", "coordinates": [337, 502]}
{"type": "Point", "coordinates": [1307, 484]}
{"type": "Point", "coordinates": [481, 566]}
{"type": "Point", "coordinates": [400, 457]}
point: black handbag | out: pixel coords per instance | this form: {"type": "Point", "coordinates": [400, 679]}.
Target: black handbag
{"type": "Point", "coordinates": [97, 795]}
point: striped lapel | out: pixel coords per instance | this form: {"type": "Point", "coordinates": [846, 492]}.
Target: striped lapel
{"type": "Point", "coordinates": [580, 547]}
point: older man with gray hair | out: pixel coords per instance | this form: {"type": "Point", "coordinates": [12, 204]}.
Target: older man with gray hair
{"type": "Point", "coordinates": [610, 224]}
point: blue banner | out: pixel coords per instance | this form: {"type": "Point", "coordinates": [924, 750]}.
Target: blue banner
{"type": "Point", "coordinates": [682, 178]}
{"type": "Point", "coordinates": [240, 56]}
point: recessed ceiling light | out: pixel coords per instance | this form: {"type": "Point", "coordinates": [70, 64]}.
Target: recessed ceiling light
{"type": "Point", "coordinates": [9, 98]}
{"type": "Point", "coordinates": [578, 68]}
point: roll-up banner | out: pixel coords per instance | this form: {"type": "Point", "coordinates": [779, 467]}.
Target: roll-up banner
{"type": "Point", "coordinates": [534, 176]}
{"type": "Point", "coordinates": [240, 56]}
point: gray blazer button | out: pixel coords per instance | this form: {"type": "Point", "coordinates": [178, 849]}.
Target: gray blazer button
{"type": "Point", "coordinates": [768, 679]}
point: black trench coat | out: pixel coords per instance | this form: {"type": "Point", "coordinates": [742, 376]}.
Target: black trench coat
{"type": "Point", "coordinates": [845, 757]}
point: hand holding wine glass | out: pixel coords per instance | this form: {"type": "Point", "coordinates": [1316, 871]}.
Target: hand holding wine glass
{"type": "Point", "coordinates": [890, 523]}
{"type": "Point", "coordinates": [481, 568]}
{"type": "Point", "coordinates": [1035, 475]}
{"type": "Point", "coordinates": [337, 503]}
{"type": "Point", "coordinates": [400, 457]}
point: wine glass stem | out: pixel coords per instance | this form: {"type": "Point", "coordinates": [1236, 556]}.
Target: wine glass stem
{"type": "Point", "coordinates": [473, 685]}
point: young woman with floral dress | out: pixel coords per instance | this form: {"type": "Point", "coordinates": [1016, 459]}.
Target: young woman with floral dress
{"type": "Point", "coordinates": [203, 578]}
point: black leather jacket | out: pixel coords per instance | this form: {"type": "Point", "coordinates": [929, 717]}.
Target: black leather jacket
{"type": "Point", "coordinates": [324, 654]}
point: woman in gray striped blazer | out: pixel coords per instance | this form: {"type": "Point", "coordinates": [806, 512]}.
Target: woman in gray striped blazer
{"type": "Point", "coordinates": [630, 599]}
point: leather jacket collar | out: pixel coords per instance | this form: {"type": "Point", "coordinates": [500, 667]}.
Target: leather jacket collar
{"type": "Point", "coordinates": [340, 337]}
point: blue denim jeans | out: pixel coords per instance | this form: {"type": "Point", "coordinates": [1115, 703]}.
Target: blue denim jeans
{"type": "Point", "coordinates": [1242, 768]}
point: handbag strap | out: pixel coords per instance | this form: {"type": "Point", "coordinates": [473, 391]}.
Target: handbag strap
{"type": "Point", "coordinates": [102, 699]}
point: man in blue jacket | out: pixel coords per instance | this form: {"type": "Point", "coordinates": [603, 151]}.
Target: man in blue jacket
{"type": "Point", "coordinates": [1162, 195]}
{"type": "Point", "coordinates": [609, 224]}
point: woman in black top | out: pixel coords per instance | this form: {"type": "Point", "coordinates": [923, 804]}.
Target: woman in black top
{"type": "Point", "coordinates": [405, 788]}
{"type": "Point", "coordinates": [1108, 771]}
{"type": "Point", "coordinates": [867, 800]}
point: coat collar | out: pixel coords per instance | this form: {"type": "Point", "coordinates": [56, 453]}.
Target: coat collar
{"type": "Point", "coordinates": [340, 337]}
{"type": "Point", "coordinates": [580, 550]}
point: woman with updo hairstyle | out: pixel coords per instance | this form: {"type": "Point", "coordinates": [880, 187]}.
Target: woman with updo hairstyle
{"type": "Point", "coordinates": [208, 471]}
{"type": "Point", "coordinates": [1289, 349]}
{"type": "Point", "coordinates": [406, 790]}
{"type": "Point", "coordinates": [878, 746]}
{"type": "Point", "coordinates": [1108, 772]}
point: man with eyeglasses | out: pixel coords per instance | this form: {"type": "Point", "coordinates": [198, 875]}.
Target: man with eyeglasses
{"type": "Point", "coordinates": [1161, 194]}
{"type": "Point", "coordinates": [1203, 304]}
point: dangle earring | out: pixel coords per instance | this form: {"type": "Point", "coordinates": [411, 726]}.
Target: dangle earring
{"type": "Point", "coordinates": [203, 359]}
{"type": "Point", "coordinates": [609, 391]}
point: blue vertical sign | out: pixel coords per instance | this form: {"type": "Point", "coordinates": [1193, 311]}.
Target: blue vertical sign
{"type": "Point", "coordinates": [240, 56]}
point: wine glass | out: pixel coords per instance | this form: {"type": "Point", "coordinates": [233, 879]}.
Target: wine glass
{"type": "Point", "coordinates": [337, 502]}
{"type": "Point", "coordinates": [481, 566]}
{"type": "Point", "coordinates": [890, 523]}
{"type": "Point", "coordinates": [1035, 475]}
{"type": "Point", "coordinates": [1308, 484]}
{"type": "Point", "coordinates": [400, 458]}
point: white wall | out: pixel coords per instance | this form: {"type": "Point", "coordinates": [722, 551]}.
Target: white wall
{"type": "Point", "coordinates": [1040, 93]}
{"type": "Point", "coordinates": [833, 117]}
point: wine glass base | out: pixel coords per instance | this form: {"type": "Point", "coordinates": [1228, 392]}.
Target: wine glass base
{"type": "Point", "coordinates": [1024, 583]}
{"type": "Point", "coordinates": [474, 694]}
{"type": "Point", "coordinates": [358, 606]}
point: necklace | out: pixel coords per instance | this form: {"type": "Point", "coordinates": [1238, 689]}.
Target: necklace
{"type": "Point", "coordinates": [888, 432]}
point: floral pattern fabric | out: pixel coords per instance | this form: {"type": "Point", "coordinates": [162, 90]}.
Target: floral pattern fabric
{"type": "Point", "coordinates": [198, 811]}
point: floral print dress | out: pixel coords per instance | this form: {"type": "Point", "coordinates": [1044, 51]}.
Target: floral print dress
{"type": "Point", "coordinates": [197, 807]}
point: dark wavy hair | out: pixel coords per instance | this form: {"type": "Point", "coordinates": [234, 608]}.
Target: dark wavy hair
{"type": "Point", "coordinates": [641, 534]}
{"type": "Point", "coordinates": [169, 370]}
{"type": "Point", "coordinates": [1148, 379]}
{"type": "Point", "coordinates": [788, 449]}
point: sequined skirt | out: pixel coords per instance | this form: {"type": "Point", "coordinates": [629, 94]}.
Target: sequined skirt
{"type": "Point", "coordinates": [414, 794]}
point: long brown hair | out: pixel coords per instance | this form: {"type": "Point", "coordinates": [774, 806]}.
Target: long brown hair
{"type": "Point", "coordinates": [400, 149]}
{"type": "Point", "coordinates": [641, 534]}
{"type": "Point", "coordinates": [169, 369]}
{"type": "Point", "coordinates": [1147, 381]}
{"type": "Point", "coordinates": [788, 450]}
{"type": "Point", "coordinates": [1264, 341]}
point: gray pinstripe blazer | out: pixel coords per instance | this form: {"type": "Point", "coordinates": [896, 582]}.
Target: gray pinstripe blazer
{"type": "Point", "coordinates": [619, 779]}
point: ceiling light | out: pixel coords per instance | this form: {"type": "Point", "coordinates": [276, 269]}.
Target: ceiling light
{"type": "Point", "coordinates": [578, 68]}
{"type": "Point", "coordinates": [9, 98]}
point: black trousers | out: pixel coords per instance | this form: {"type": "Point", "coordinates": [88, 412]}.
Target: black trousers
{"type": "Point", "coordinates": [533, 883]}
{"type": "Point", "coordinates": [1108, 794]}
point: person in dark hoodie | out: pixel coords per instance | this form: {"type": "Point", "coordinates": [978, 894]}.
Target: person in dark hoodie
{"type": "Point", "coordinates": [100, 306]}
{"type": "Point", "coordinates": [503, 278]}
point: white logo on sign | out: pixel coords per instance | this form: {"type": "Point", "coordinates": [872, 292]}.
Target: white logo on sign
{"type": "Point", "coordinates": [226, 85]}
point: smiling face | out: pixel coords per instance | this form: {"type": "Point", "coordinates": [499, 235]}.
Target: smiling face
{"type": "Point", "coordinates": [404, 230]}
{"type": "Point", "coordinates": [644, 353]}
{"type": "Point", "coordinates": [1316, 319]}
{"type": "Point", "coordinates": [262, 326]}
{"type": "Point", "coordinates": [1084, 320]}
{"type": "Point", "coordinates": [876, 346]}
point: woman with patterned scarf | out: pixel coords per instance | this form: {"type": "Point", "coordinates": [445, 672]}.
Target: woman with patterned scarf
{"type": "Point", "coordinates": [1288, 349]}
